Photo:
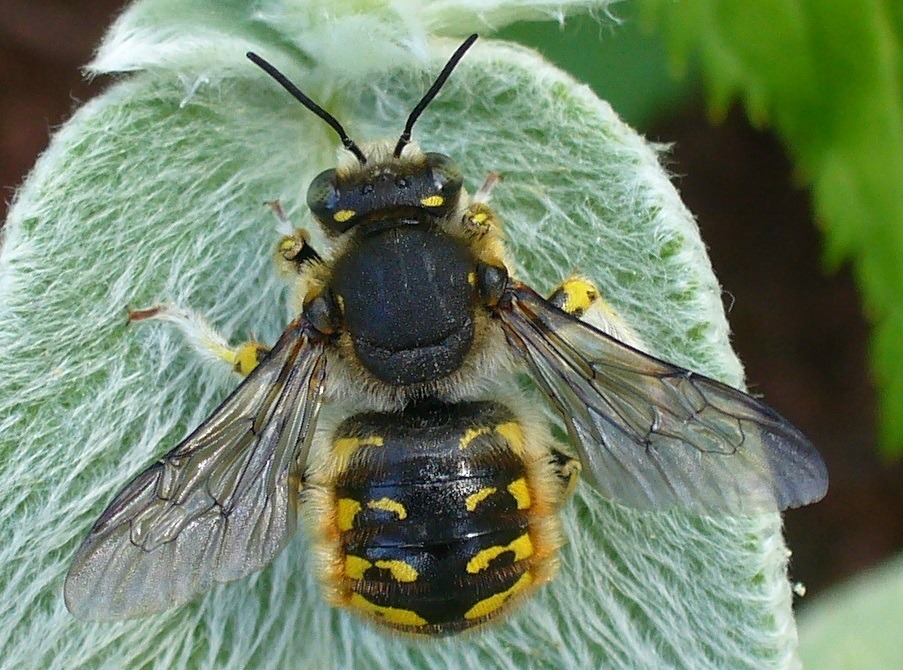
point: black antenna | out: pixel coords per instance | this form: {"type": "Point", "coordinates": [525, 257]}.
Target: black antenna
{"type": "Point", "coordinates": [434, 90]}
{"type": "Point", "coordinates": [310, 104]}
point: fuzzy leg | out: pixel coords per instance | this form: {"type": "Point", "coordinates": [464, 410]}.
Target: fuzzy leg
{"type": "Point", "coordinates": [293, 251]}
{"type": "Point", "coordinates": [479, 218]}
{"type": "Point", "coordinates": [204, 339]}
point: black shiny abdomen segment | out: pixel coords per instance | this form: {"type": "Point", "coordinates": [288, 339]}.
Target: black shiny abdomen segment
{"type": "Point", "coordinates": [407, 301]}
{"type": "Point", "coordinates": [422, 474]}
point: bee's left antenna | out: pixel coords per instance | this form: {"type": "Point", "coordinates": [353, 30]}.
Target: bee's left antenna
{"type": "Point", "coordinates": [310, 104]}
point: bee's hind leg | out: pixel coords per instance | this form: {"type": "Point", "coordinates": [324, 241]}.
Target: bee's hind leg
{"type": "Point", "coordinates": [567, 473]}
{"type": "Point", "coordinates": [203, 338]}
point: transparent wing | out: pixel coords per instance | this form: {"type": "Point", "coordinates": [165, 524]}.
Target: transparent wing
{"type": "Point", "coordinates": [219, 506]}
{"type": "Point", "coordinates": [654, 435]}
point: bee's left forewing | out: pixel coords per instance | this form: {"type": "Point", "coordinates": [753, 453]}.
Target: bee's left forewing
{"type": "Point", "coordinates": [653, 435]}
{"type": "Point", "coordinates": [219, 506]}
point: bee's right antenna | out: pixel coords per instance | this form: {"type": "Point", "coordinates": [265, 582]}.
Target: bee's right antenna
{"type": "Point", "coordinates": [310, 104]}
{"type": "Point", "coordinates": [434, 90]}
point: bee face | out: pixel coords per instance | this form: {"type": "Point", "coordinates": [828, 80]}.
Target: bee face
{"type": "Point", "coordinates": [385, 187]}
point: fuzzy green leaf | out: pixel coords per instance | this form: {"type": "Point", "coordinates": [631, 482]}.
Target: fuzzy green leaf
{"type": "Point", "coordinates": [856, 626]}
{"type": "Point", "coordinates": [827, 75]}
{"type": "Point", "coordinates": [155, 191]}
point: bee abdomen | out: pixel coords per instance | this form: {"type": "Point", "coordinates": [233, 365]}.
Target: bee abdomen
{"type": "Point", "coordinates": [439, 528]}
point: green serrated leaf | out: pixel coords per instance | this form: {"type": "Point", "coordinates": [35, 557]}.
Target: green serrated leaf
{"type": "Point", "coordinates": [827, 76]}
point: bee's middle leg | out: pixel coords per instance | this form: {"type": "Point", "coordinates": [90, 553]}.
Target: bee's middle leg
{"type": "Point", "coordinates": [205, 339]}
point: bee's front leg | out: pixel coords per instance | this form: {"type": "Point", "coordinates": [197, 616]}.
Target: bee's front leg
{"type": "Point", "coordinates": [203, 338]}
{"type": "Point", "coordinates": [294, 252]}
{"type": "Point", "coordinates": [479, 219]}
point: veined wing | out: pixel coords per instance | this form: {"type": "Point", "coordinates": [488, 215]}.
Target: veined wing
{"type": "Point", "coordinates": [219, 506]}
{"type": "Point", "coordinates": [653, 435]}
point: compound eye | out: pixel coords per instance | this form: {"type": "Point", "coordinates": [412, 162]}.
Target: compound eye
{"type": "Point", "coordinates": [323, 197]}
{"type": "Point", "coordinates": [447, 176]}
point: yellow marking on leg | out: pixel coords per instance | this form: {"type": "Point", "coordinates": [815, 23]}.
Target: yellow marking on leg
{"type": "Point", "coordinates": [343, 215]}
{"type": "Point", "coordinates": [355, 566]}
{"type": "Point", "coordinates": [432, 201]}
{"type": "Point", "coordinates": [479, 217]}
{"type": "Point", "coordinates": [522, 548]}
{"type": "Point", "coordinates": [344, 447]}
{"type": "Point", "coordinates": [346, 510]}
{"type": "Point", "coordinates": [492, 603]}
{"type": "Point", "coordinates": [401, 571]}
{"type": "Point", "coordinates": [472, 434]}
{"type": "Point", "coordinates": [475, 499]}
{"type": "Point", "coordinates": [389, 505]}
{"type": "Point", "coordinates": [579, 295]}
{"type": "Point", "coordinates": [513, 433]}
{"type": "Point", "coordinates": [389, 614]}
{"type": "Point", "coordinates": [247, 357]}
{"type": "Point", "coordinates": [521, 492]}
{"type": "Point", "coordinates": [472, 278]}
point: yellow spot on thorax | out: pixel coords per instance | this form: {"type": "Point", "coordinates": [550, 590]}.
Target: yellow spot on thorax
{"type": "Point", "coordinates": [389, 614]}
{"type": "Point", "coordinates": [343, 215]}
{"type": "Point", "coordinates": [346, 510]}
{"type": "Point", "coordinates": [521, 492]}
{"type": "Point", "coordinates": [344, 447]}
{"type": "Point", "coordinates": [492, 603]}
{"type": "Point", "coordinates": [432, 201]}
{"type": "Point", "coordinates": [476, 498]}
{"type": "Point", "coordinates": [522, 548]}
{"type": "Point", "coordinates": [389, 505]}
{"type": "Point", "coordinates": [472, 434]}
{"type": "Point", "coordinates": [400, 571]}
{"type": "Point", "coordinates": [513, 434]}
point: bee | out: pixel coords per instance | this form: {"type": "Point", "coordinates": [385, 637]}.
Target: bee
{"type": "Point", "coordinates": [434, 501]}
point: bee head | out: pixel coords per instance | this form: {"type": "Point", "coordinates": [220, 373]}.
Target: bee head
{"type": "Point", "coordinates": [385, 186]}
{"type": "Point", "coordinates": [385, 180]}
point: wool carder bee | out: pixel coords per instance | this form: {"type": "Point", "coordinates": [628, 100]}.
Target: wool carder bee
{"type": "Point", "coordinates": [433, 501]}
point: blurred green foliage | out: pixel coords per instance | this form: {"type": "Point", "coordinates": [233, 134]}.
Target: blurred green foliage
{"type": "Point", "coordinates": [825, 76]}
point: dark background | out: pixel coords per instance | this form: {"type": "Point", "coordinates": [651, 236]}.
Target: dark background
{"type": "Point", "coordinates": [799, 330]}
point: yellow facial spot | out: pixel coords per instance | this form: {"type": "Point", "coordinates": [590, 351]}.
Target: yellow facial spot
{"type": "Point", "coordinates": [432, 201]}
{"type": "Point", "coordinates": [344, 447]}
{"type": "Point", "coordinates": [479, 217]}
{"type": "Point", "coordinates": [401, 571]}
{"type": "Point", "coordinates": [346, 510]}
{"type": "Point", "coordinates": [388, 505]}
{"type": "Point", "coordinates": [492, 603]}
{"type": "Point", "coordinates": [513, 434]}
{"type": "Point", "coordinates": [390, 614]}
{"type": "Point", "coordinates": [355, 567]}
{"type": "Point", "coordinates": [476, 498]}
{"type": "Point", "coordinates": [522, 548]}
{"type": "Point", "coordinates": [521, 492]}
{"type": "Point", "coordinates": [472, 434]}
{"type": "Point", "coordinates": [343, 215]}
